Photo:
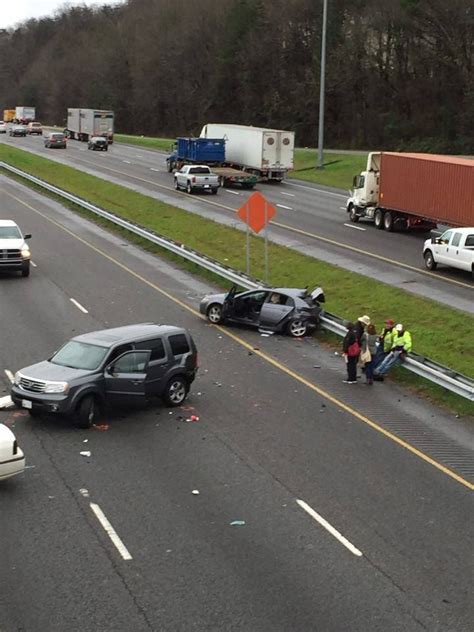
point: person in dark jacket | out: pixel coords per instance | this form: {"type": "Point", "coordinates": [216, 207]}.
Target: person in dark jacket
{"type": "Point", "coordinates": [351, 351]}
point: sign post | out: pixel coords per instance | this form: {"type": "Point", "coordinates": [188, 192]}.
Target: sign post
{"type": "Point", "coordinates": [257, 213]}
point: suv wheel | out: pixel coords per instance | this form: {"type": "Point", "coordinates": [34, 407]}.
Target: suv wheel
{"type": "Point", "coordinates": [87, 412]}
{"type": "Point", "coordinates": [175, 391]}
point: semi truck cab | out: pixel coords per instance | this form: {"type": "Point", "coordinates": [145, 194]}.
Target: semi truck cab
{"type": "Point", "coordinates": [364, 196]}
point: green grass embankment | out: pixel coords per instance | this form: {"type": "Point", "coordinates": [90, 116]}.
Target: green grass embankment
{"type": "Point", "coordinates": [338, 171]}
{"type": "Point", "coordinates": [440, 332]}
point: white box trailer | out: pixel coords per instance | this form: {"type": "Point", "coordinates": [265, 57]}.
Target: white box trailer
{"type": "Point", "coordinates": [25, 113]}
{"type": "Point", "coordinates": [267, 152]}
{"type": "Point", "coordinates": [83, 123]}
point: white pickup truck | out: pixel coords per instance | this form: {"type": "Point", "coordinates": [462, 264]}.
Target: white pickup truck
{"type": "Point", "coordinates": [194, 177]}
{"type": "Point", "coordinates": [454, 248]}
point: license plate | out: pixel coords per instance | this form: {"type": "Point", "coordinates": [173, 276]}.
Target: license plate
{"type": "Point", "coordinates": [26, 403]}
{"type": "Point", "coordinates": [206, 186]}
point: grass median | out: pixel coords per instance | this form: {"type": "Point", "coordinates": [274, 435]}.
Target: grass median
{"type": "Point", "coordinates": [339, 169]}
{"type": "Point", "coordinates": [440, 332]}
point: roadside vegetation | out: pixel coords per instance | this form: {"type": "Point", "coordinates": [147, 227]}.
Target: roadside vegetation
{"type": "Point", "coordinates": [440, 332]}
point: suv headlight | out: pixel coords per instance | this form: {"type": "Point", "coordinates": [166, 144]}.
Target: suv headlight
{"type": "Point", "coordinates": [56, 387]}
{"type": "Point", "coordinates": [25, 252]}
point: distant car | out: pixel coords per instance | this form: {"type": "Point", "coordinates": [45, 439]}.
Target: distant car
{"type": "Point", "coordinates": [281, 310]}
{"type": "Point", "coordinates": [98, 142]}
{"type": "Point", "coordinates": [18, 130]}
{"type": "Point", "coordinates": [35, 128]}
{"type": "Point", "coordinates": [3, 127]}
{"type": "Point", "coordinates": [55, 139]}
{"type": "Point", "coordinates": [121, 366]}
{"type": "Point", "coordinates": [14, 251]}
{"type": "Point", "coordinates": [12, 459]}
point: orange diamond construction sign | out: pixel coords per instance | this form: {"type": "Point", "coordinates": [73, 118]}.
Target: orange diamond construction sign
{"type": "Point", "coordinates": [256, 212]}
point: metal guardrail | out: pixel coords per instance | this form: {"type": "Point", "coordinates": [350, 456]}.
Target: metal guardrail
{"type": "Point", "coordinates": [426, 368]}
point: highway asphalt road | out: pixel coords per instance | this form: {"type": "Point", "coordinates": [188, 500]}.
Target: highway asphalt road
{"type": "Point", "coordinates": [309, 218]}
{"type": "Point", "coordinates": [353, 508]}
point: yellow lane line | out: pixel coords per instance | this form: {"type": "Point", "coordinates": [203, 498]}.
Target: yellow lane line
{"type": "Point", "coordinates": [264, 356]}
{"type": "Point", "coordinates": [299, 231]}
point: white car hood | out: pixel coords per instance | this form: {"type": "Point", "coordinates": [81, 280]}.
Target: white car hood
{"type": "Point", "coordinates": [13, 244]}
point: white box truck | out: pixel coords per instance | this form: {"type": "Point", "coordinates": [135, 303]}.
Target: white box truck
{"type": "Point", "coordinates": [83, 124]}
{"type": "Point", "coordinates": [268, 153]}
{"type": "Point", "coordinates": [24, 113]}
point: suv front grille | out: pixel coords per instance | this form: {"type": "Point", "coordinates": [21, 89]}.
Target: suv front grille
{"type": "Point", "coordinates": [9, 253]}
{"type": "Point", "coordinates": [28, 384]}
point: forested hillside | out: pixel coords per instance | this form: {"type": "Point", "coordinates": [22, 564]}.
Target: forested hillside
{"type": "Point", "coordinates": [400, 73]}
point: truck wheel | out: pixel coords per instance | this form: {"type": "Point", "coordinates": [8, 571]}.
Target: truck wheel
{"type": "Point", "coordinates": [430, 263]}
{"type": "Point", "coordinates": [175, 391]}
{"type": "Point", "coordinates": [86, 412]}
{"type": "Point", "coordinates": [214, 191]}
{"type": "Point", "coordinates": [169, 166]}
{"type": "Point", "coordinates": [222, 181]}
{"type": "Point", "coordinates": [388, 221]}
{"type": "Point", "coordinates": [353, 214]}
{"type": "Point", "coordinates": [176, 185]}
{"type": "Point", "coordinates": [189, 188]}
{"type": "Point", "coordinates": [378, 219]}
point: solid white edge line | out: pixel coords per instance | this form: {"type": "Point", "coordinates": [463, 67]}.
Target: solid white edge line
{"type": "Point", "coordinates": [324, 523]}
{"type": "Point", "coordinates": [153, 169]}
{"type": "Point", "coordinates": [78, 305]}
{"type": "Point", "coordinates": [10, 375]}
{"type": "Point", "coordinates": [127, 162]}
{"type": "Point", "coordinates": [119, 545]}
{"type": "Point", "coordinates": [233, 192]}
{"type": "Point", "coordinates": [288, 208]}
{"type": "Point", "coordinates": [288, 194]}
{"type": "Point", "coordinates": [342, 208]}
{"type": "Point", "coordinates": [355, 227]}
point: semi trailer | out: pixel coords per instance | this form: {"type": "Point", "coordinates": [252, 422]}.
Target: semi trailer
{"type": "Point", "coordinates": [83, 124]}
{"type": "Point", "coordinates": [210, 152]}
{"type": "Point", "coordinates": [25, 113]}
{"type": "Point", "coordinates": [408, 190]}
{"type": "Point", "coordinates": [268, 153]}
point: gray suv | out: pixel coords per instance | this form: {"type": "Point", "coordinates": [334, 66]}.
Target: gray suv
{"type": "Point", "coordinates": [118, 367]}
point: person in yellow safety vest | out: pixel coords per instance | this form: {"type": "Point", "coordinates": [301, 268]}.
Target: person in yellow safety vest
{"type": "Point", "coordinates": [401, 345]}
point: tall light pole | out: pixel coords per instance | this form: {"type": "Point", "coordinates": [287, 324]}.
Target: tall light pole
{"type": "Point", "coordinates": [320, 163]}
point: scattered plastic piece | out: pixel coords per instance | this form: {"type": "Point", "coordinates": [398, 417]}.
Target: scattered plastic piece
{"type": "Point", "coordinates": [102, 427]}
{"type": "Point", "coordinates": [193, 418]}
{"type": "Point", "coordinates": [51, 497]}
{"type": "Point", "coordinates": [336, 353]}
{"type": "Point", "coordinates": [317, 366]}
{"type": "Point", "coordinates": [195, 492]}
{"type": "Point", "coordinates": [265, 335]}
{"type": "Point", "coordinates": [85, 441]}
{"type": "Point", "coordinates": [84, 492]}
{"type": "Point", "coordinates": [237, 523]}
{"type": "Point", "coordinates": [85, 453]}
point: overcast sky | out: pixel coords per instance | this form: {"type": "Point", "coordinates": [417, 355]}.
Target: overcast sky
{"type": "Point", "coordinates": [14, 11]}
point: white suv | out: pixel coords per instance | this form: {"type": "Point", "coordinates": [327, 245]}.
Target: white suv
{"type": "Point", "coordinates": [14, 251]}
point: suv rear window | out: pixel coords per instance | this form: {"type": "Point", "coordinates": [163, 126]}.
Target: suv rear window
{"type": "Point", "coordinates": [179, 344]}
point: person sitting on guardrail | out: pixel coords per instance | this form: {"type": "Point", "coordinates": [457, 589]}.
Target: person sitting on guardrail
{"type": "Point", "coordinates": [385, 342]}
{"type": "Point", "coordinates": [401, 345]}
